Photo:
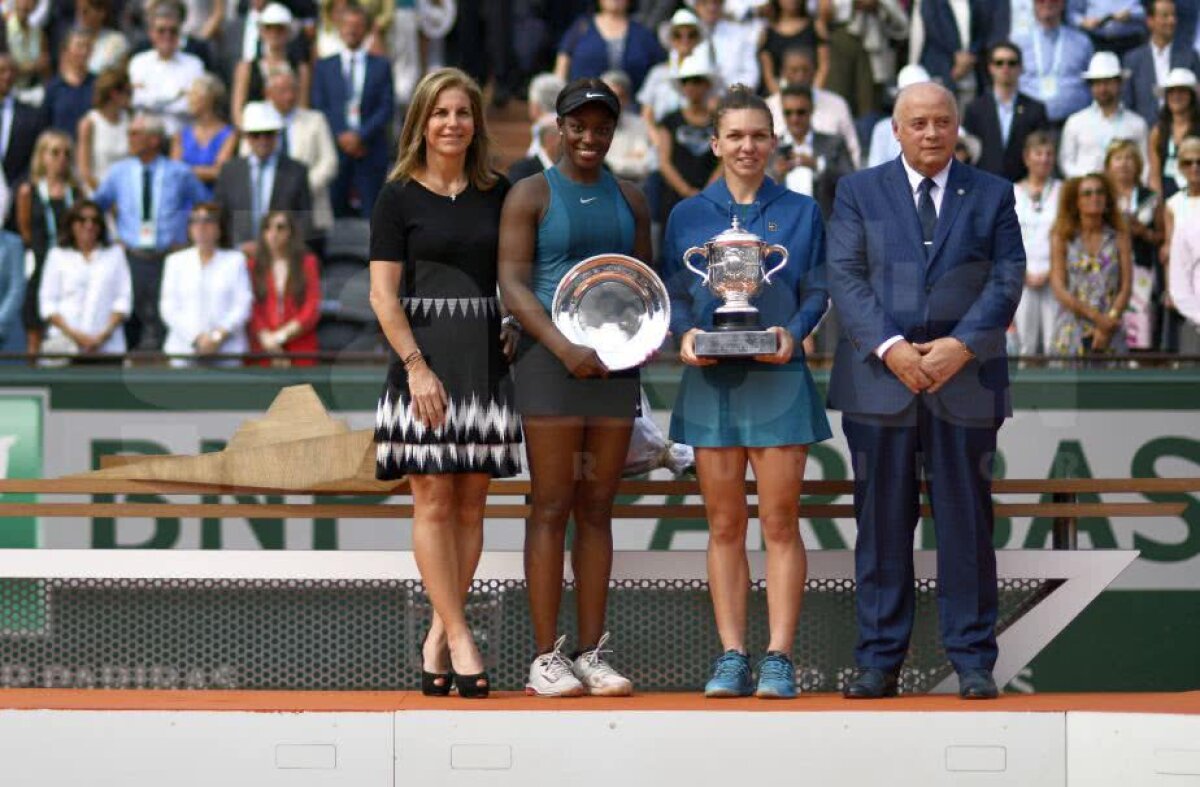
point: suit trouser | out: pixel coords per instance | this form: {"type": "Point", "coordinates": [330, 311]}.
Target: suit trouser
{"type": "Point", "coordinates": [889, 455]}
{"type": "Point", "coordinates": [365, 176]}
{"type": "Point", "coordinates": [145, 330]}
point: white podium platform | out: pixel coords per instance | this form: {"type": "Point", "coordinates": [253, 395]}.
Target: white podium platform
{"type": "Point", "coordinates": [55, 738]}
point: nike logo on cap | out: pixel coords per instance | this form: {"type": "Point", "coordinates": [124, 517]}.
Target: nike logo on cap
{"type": "Point", "coordinates": [587, 201]}
{"type": "Point", "coordinates": [594, 95]}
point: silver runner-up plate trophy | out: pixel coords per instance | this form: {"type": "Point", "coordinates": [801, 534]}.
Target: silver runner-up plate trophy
{"type": "Point", "coordinates": [735, 273]}
{"type": "Point", "coordinates": [616, 305]}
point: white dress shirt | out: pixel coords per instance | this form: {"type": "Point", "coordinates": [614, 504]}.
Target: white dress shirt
{"type": "Point", "coordinates": [354, 91]}
{"type": "Point", "coordinates": [936, 193]}
{"type": "Point", "coordinates": [734, 50]}
{"type": "Point", "coordinates": [1087, 134]}
{"type": "Point", "coordinates": [198, 298]}
{"type": "Point", "coordinates": [85, 293]}
{"type": "Point", "coordinates": [160, 86]}
{"type": "Point", "coordinates": [1162, 64]}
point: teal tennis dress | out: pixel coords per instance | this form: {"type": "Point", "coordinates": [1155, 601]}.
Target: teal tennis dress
{"type": "Point", "coordinates": [745, 402]}
{"type": "Point", "coordinates": [582, 220]}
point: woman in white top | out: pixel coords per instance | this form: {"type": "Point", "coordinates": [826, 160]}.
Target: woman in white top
{"type": "Point", "coordinates": [85, 293]}
{"type": "Point", "coordinates": [1183, 210]}
{"type": "Point", "coordinates": [1185, 281]}
{"type": "Point", "coordinates": [206, 294]}
{"type": "Point", "coordinates": [1037, 206]}
{"type": "Point", "coordinates": [104, 131]}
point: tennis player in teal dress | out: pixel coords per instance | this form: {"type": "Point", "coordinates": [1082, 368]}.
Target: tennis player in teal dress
{"type": "Point", "coordinates": [764, 411]}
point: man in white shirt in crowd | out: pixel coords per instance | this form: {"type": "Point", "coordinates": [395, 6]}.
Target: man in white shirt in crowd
{"type": "Point", "coordinates": [1089, 131]}
{"type": "Point", "coordinates": [162, 76]}
{"type": "Point", "coordinates": [831, 113]}
{"type": "Point", "coordinates": [733, 44]}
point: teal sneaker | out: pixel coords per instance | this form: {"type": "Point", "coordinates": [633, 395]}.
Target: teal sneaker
{"type": "Point", "coordinates": [776, 677]}
{"type": "Point", "coordinates": [730, 676]}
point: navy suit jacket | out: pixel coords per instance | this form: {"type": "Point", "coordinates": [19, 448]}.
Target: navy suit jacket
{"type": "Point", "coordinates": [1138, 92]}
{"type": "Point", "coordinates": [884, 284]}
{"type": "Point", "coordinates": [982, 118]}
{"type": "Point", "coordinates": [942, 39]}
{"type": "Point", "coordinates": [330, 93]}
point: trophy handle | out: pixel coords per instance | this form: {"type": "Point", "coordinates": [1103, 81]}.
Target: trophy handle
{"type": "Point", "coordinates": [703, 252]}
{"type": "Point", "coordinates": [768, 252]}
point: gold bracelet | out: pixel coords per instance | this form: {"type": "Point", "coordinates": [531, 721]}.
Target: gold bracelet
{"type": "Point", "coordinates": [412, 358]}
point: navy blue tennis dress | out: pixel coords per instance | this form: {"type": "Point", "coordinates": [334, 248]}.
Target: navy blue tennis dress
{"type": "Point", "coordinates": [582, 220]}
{"type": "Point", "coordinates": [746, 402]}
{"type": "Point", "coordinates": [449, 250]}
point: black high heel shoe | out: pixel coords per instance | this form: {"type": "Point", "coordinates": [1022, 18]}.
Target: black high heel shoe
{"type": "Point", "coordinates": [469, 688]}
{"type": "Point", "coordinates": [429, 680]}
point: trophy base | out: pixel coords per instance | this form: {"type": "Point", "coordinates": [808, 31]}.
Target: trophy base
{"type": "Point", "coordinates": [736, 344]}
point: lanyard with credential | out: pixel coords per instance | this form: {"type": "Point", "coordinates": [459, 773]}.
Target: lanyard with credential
{"type": "Point", "coordinates": [148, 230]}
{"type": "Point", "coordinates": [1037, 54]}
{"type": "Point", "coordinates": [48, 211]}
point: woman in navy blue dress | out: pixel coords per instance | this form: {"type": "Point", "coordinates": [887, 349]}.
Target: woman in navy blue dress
{"type": "Point", "coordinates": [765, 410]}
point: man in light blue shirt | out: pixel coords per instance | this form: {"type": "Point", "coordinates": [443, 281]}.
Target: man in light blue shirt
{"type": "Point", "coordinates": [1114, 25]}
{"type": "Point", "coordinates": [1054, 57]}
{"type": "Point", "coordinates": [152, 196]}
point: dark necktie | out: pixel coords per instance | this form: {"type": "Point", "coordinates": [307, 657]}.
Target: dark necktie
{"type": "Point", "coordinates": [147, 193]}
{"type": "Point", "coordinates": [283, 141]}
{"type": "Point", "coordinates": [926, 212]}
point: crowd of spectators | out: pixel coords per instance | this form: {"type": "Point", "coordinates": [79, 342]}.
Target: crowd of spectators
{"type": "Point", "coordinates": [173, 169]}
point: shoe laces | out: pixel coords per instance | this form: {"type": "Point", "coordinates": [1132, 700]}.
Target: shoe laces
{"type": "Point", "coordinates": [775, 666]}
{"type": "Point", "coordinates": [595, 657]}
{"type": "Point", "coordinates": [729, 665]}
{"type": "Point", "coordinates": [554, 663]}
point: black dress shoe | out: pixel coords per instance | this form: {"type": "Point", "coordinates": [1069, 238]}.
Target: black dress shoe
{"type": "Point", "coordinates": [977, 684]}
{"type": "Point", "coordinates": [870, 683]}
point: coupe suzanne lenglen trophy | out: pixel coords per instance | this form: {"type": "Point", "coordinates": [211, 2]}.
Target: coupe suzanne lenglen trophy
{"type": "Point", "coordinates": [735, 273]}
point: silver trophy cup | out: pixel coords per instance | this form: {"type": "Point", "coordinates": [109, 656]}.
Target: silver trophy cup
{"type": "Point", "coordinates": [735, 274]}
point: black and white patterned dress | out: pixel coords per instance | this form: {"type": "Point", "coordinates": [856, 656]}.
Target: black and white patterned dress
{"type": "Point", "coordinates": [448, 288]}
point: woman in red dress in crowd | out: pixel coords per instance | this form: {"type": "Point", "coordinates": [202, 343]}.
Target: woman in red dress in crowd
{"type": "Point", "coordinates": [287, 294]}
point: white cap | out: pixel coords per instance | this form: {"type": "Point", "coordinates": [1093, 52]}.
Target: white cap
{"type": "Point", "coordinates": [1177, 77]}
{"type": "Point", "coordinates": [911, 74]}
{"type": "Point", "coordinates": [695, 65]}
{"type": "Point", "coordinates": [685, 18]}
{"type": "Point", "coordinates": [259, 116]}
{"type": "Point", "coordinates": [1104, 65]}
{"type": "Point", "coordinates": [275, 14]}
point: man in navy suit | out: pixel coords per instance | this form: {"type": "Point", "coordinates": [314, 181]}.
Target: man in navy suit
{"type": "Point", "coordinates": [1149, 64]}
{"type": "Point", "coordinates": [925, 268]}
{"type": "Point", "coordinates": [353, 89]}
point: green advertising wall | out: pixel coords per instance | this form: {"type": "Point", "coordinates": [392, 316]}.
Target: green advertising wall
{"type": "Point", "coordinates": [1070, 423]}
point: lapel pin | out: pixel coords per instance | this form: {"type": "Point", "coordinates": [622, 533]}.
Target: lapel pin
{"type": "Point", "coordinates": [961, 192]}
{"type": "Point", "coordinates": [771, 226]}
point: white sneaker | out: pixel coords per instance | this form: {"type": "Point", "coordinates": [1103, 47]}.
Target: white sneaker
{"type": "Point", "coordinates": [598, 675]}
{"type": "Point", "coordinates": [550, 675]}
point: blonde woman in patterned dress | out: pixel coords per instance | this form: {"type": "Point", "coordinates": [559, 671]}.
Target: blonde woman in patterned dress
{"type": "Point", "coordinates": [444, 420]}
{"type": "Point", "coordinates": [1091, 267]}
